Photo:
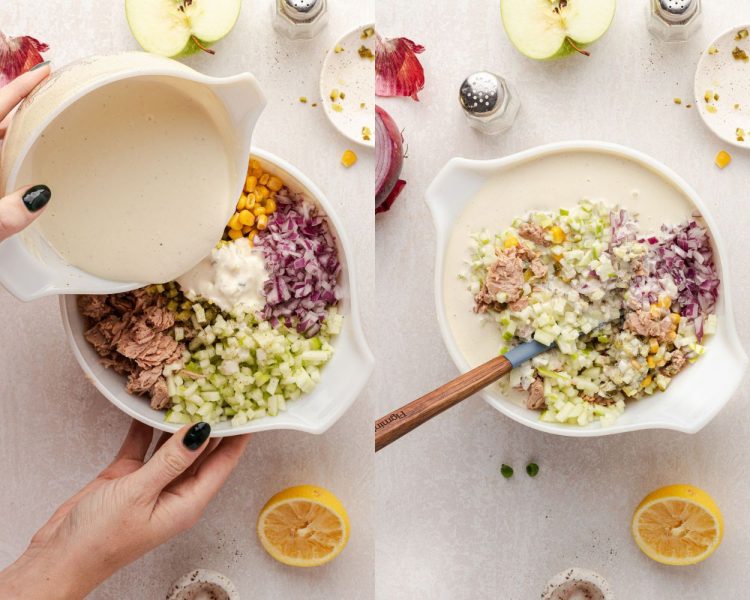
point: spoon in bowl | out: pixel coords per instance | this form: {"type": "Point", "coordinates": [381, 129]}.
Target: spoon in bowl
{"type": "Point", "coordinates": [401, 421]}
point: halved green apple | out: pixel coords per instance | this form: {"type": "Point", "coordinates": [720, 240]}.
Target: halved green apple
{"type": "Point", "coordinates": [546, 29]}
{"type": "Point", "coordinates": [180, 27]}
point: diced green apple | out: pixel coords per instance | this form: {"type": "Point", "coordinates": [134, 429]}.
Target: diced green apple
{"type": "Point", "coordinates": [180, 27]}
{"type": "Point", "coordinates": [547, 29]}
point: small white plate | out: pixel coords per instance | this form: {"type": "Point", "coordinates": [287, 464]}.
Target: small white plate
{"type": "Point", "coordinates": [354, 76]}
{"type": "Point", "coordinates": [722, 74]}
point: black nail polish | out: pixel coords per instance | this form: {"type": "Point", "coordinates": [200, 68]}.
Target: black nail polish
{"type": "Point", "coordinates": [196, 435]}
{"type": "Point", "coordinates": [36, 198]}
{"type": "Point", "coordinates": [39, 65]}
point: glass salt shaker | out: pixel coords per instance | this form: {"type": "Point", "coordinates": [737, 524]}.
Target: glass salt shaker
{"type": "Point", "coordinates": [300, 19]}
{"type": "Point", "coordinates": [489, 102]}
{"type": "Point", "coordinates": [674, 20]}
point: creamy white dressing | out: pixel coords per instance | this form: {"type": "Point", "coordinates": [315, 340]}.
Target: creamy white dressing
{"type": "Point", "coordinates": [546, 183]}
{"type": "Point", "coordinates": [142, 176]}
{"type": "Point", "coordinates": [231, 277]}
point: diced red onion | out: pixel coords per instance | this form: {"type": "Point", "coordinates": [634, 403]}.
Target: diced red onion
{"type": "Point", "coordinates": [302, 261]}
{"type": "Point", "coordinates": [683, 256]}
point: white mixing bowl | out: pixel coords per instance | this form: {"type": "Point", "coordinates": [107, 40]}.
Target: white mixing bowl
{"type": "Point", "coordinates": [693, 398]}
{"type": "Point", "coordinates": [342, 379]}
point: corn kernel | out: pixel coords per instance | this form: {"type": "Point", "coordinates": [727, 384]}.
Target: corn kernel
{"type": "Point", "coordinates": [256, 172]}
{"type": "Point", "coordinates": [254, 164]}
{"type": "Point", "coordinates": [672, 336]}
{"type": "Point", "coordinates": [246, 229]}
{"type": "Point", "coordinates": [264, 179]}
{"type": "Point", "coordinates": [262, 222]}
{"type": "Point", "coordinates": [655, 311]}
{"type": "Point", "coordinates": [262, 192]}
{"type": "Point", "coordinates": [252, 234]}
{"type": "Point", "coordinates": [247, 218]}
{"type": "Point", "coordinates": [647, 382]}
{"type": "Point", "coordinates": [234, 223]}
{"type": "Point", "coordinates": [650, 362]}
{"type": "Point", "coordinates": [348, 158]}
{"type": "Point", "coordinates": [723, 159]}
{"type": "Point", "coordinates": [270, 206]}
{"type": "Point", "coordinates": [258, 210]}
{"type": "Point", "coordinates": [274, 184]}
{"type": "Point", "coordinates": [250, 183]}
{"type": "Point", "coordinates": [653, 346]}
{"type": "Point", "coordinates": [664, 302]}
{"type": "Point", "coordinates": [242, 202]}
{"type": "Point", "coordinates": [235, 234]}
{"type": "Point", "coordinates": [558, 235]}
{"type": "Point", "coordinates": [510, 242]}
{"type": "Point", "coordinates": [635, 364]}
{"type": "Point", "coordinates": [251, 200]}
{"type": "Point", "coordinates": [675, 318]}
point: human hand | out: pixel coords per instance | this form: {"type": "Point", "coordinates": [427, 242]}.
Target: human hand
{"type": "Point", "coordinates": [20, 208]}
{"type": "Point", "coordinates": [129, 509]}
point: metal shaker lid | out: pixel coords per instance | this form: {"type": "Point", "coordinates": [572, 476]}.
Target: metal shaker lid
{"type": "Point", "coordinates": [302, 10]}
{"type": "Point", "coordinates": [676, 11]}
{"type": "Point", "coordinates": [482, 93]}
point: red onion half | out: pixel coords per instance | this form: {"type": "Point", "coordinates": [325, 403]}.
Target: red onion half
{"type": "Point", "coordinates": [389, 160]}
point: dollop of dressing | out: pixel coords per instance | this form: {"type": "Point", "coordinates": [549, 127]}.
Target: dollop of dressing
{"type": "Point", "coordinates": [231, 277]}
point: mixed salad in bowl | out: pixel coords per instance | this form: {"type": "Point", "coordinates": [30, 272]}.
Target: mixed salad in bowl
{"type": "Point", "coordinates": [247, 330]}
{"type": "Point", "coordinates": [625, 311]}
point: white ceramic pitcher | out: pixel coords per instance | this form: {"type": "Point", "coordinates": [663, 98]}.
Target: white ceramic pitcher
{"type": "Point", "coordinates": [29, 267]}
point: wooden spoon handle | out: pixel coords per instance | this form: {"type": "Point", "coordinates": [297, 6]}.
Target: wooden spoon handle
{"type": "Point", "coordinates": [401, 421]}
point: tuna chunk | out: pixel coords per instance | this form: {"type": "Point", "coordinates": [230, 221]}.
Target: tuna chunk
{"type": "Point", "coordinates": [160, 396]}
{"type": "Point", "coordinates": [643, 324]}
{"type": "Point", "coordinates": [94, 307]}
{"type": "Point", "coordinates": [507, 276]}
{"type": "Point", "coordinates": [597, 399]}
{"type": "Point", "coordinates": [536, 399]}
{"type": "Point", "coordinates": [158, 318]}
{"type": "Point", "coordinates": [130, 332]}
{"type": "Point", "coordinates": [538, 269]}
{"type": "Point", "coordinates": [140, 382]}
{"type": "Point", "coordinates": [119, 364]}
{"type": "Point", "coordinates": [519, 304]}
{"type": "Point", "coordinates": [676, 364]}
{"type": "Point", "coordinates": [534, 233]}
{"type": "Point", "coordinates": [106, 333]}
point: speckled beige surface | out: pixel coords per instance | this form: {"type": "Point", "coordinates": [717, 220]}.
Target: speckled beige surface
{"type": "Point", "coordinates": [449, 526]}
{"type": "Point", "coordinates": [58, 432]}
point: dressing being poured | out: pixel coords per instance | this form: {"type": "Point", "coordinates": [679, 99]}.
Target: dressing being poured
{"type": "Point", "coordinates": [142, 178]}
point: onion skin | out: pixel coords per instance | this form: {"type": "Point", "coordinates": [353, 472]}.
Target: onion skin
{"type": "Point", "coordinates": [18, 55]}
{"type": "Point", "coordinates": [398, 71]}
{"type": "Point", "coordinates": [389, 160]}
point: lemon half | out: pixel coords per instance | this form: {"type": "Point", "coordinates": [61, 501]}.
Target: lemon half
{"type": "Point", "coordinates": [303, 526]}
{"type": "Point", "coordinates": [678, 525]}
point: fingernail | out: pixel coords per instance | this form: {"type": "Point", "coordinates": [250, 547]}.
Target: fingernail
{"type": "Point", "coordinates": [39, 65]}
{"type": "Point", "coordinates": [196, 435]}
{"type": "Point", "coordinates": [36, 197]}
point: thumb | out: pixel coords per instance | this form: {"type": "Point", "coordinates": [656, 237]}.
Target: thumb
{"type": "Point", "coordinates": [172, 459]}
{"type": "Point", "coordinates": [20, 208]}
